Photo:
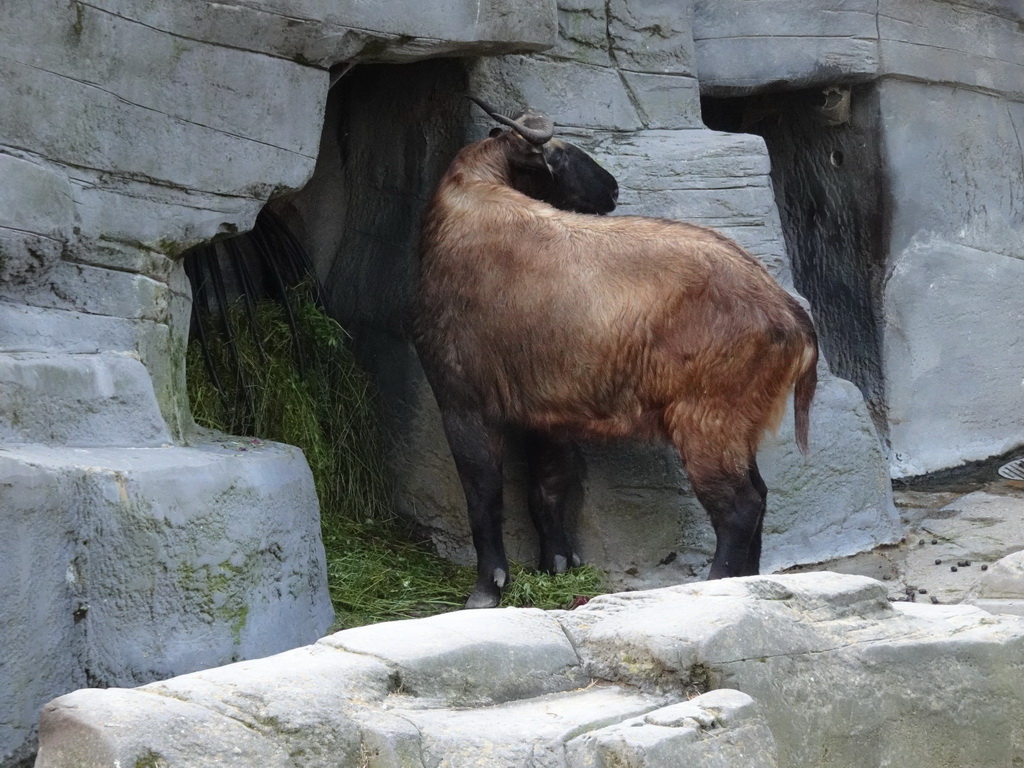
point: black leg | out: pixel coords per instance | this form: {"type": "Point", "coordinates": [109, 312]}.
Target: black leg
{"type": "Point", "coordinates": [554, 469]}
{"type": "Point", "coordinates": [754, 556]}
{"type": "Point", "coordinates": [477, 448]}
{"type": "Point", "coordinates": [736, 509]}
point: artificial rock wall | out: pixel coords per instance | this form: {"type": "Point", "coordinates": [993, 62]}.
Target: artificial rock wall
{"type": "Point", "coordinates": [938, 90]}
{"type": "Point", "coordinates": [135, 547]}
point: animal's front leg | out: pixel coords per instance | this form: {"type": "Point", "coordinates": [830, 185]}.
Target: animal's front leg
{"type": "Point", "coordinates": [477, 448]}
{"type": "Point", "coordinates": [554, 469]}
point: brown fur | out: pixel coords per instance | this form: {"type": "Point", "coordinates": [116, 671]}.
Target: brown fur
{"type": "Point", "coordinates": [606, 327]}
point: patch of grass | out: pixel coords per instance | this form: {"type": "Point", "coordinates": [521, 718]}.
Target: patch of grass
{"type": "Point", "coordinates": [379, 573]}
{"type": "Point", "coordinates": [542, 590]}
{"type": "Point", "coordinates": [305, 389]}
{"type": "Point", "coordinates": [322, 404]}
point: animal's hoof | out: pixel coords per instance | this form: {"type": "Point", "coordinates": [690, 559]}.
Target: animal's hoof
{"type": "Point", "coordinates": [487, 593]}
{"type": "Point", "coordinates": [481, 600]}
{"type": "Point", "coordinates": [559, 563]}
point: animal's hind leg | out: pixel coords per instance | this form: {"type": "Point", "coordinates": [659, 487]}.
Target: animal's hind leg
{"type": "Point", "coordinates": [554, 468]}
{"type": "Point", "coordinates": [754, 555]}
{"type": "Point", "coordinates": [723, 473]}
{"type": "Point", "coordinates": [478, 449]}
{"type": "Point", "coordinates": [727, 484]}
{"type": "Point", "coordinates": [736, 510]}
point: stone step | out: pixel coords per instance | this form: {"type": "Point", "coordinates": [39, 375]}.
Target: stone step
{"type": "Point", "coordinates": [125, 565]}
{"type": "Point", "coordinates": [528, 732]}
{"type": "Point", "coordinates": [74, 400]}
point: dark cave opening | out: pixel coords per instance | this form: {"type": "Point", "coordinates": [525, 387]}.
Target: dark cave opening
{"type": "Point", "coordinates": [390, 131]}
{"type": "Point", "coordinates": [826, 172]}
{"type": "Point", "coordinates": [350, 233]}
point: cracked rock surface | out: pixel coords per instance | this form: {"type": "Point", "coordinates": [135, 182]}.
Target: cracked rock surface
{"type": "Point", "coordinates": [815, 669]}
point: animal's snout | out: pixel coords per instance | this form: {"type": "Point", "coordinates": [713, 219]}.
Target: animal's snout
{"type": "Point", "coordinates": [613, 199]}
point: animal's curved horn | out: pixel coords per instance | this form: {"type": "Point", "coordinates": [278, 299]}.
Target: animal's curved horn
{"type": "Point", "coordinates": [536, 136]}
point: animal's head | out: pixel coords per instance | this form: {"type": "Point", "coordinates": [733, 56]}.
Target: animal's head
{"type": "Point", "coordinates": [549, 169]}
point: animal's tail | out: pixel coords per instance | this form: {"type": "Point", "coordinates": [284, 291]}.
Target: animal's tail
{"type": "Point", "coordinates": [803, 392]}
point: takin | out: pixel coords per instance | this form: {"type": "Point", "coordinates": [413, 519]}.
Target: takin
{"type": "Point", "coordinates": [574, 326]}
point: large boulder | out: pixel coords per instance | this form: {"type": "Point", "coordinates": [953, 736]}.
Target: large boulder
{"type": "Point", "coordinates": [831, 674]}
{"type": "Point", "coordinates": [954, 325]}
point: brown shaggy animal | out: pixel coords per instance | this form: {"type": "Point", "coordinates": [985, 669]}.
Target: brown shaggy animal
{"type": "Point", "coordinates": [578, 326]}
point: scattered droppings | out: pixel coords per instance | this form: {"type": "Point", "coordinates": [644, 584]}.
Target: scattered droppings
{"type": "Point", "coordinates": [935, 600]}
{"type": "Point", "coordinates": [952, 568]}
{"type": "Point", "coordinates": [938, 561]}
{"type": "Point", "coordinates": [922, 591]}
{"type": "Point", "coordinates": [984, 567]}
{"type": "Point", "coordinates": [920, 543]}
{"type": "Point", "coordinates": [935, 541]}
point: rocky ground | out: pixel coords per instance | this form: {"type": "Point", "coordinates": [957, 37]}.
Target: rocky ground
{"type": "Point", "coordinates": [954, 531]}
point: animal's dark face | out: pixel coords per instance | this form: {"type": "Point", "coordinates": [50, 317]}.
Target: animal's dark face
{"type": "Point", "coordinates": [549, 169]}
{"type": "Point", "coordinates": [578, 183]}
{"type": "Point", "coordinates": [561, 174]}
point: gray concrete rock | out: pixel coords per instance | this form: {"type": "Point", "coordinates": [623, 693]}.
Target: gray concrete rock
{"type": "Point", "coordinates": [309, 701]}
{"type": "Point", "coordinates": [843, 677]}
{"type": "Point", "coordinates": [582, 32]}
{"type": "Point", "coordinates": [529, 732]}
{"type": "Point", "coordinates": [957, 232]}
{"type": "Point", "coordinates": [934, 326]}
{"type": "Point", "coordinates": [1001, 588]}
{"type": "Point", "coordinates": [664, 101]}
{"type": "Point", "coordinates": [99, 729]}
{"type": "Point", "coordinates": [40, 635]}
{"type": "Point", "coordinates": [321, 33]}
{"type": "Point", "coordinates": [952, 179]}
{"type": "Point", "coordinates": [553, 86]}
{"type": "Point", "coordinates": [718, 729]}
{"type": "Point", "coordinates": [651, 36]}
{"type": "Point", "coordinates": [461, 660]}
{"type": "Point", "coordinates": [831, 674]}
{"type": "Point", "coordinates": [949, 110]}
{"type": "Point", "coordinates": [79, 400]}
{"type": "Point", "coordinates": [977, 44]}
{"type": "Point", "coordinates": [704, 177]}
{"type": "Point", "coordinates": [147, 543]}
{"type": "Point", "coordinates": [43, 206]}
{"type": "Point", "coordinates": [744, 47]}
{"type": "Point", "coordinates": [952, 541]}
{"type": "Point", "coordinates": [150, 562]}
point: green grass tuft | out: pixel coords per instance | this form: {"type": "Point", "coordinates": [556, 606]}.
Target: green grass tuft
{"type": "Point", "coordinates": [376, 569]}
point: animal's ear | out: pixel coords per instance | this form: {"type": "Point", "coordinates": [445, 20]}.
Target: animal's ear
{"type": "Point", "coordinates": [494, 132]}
